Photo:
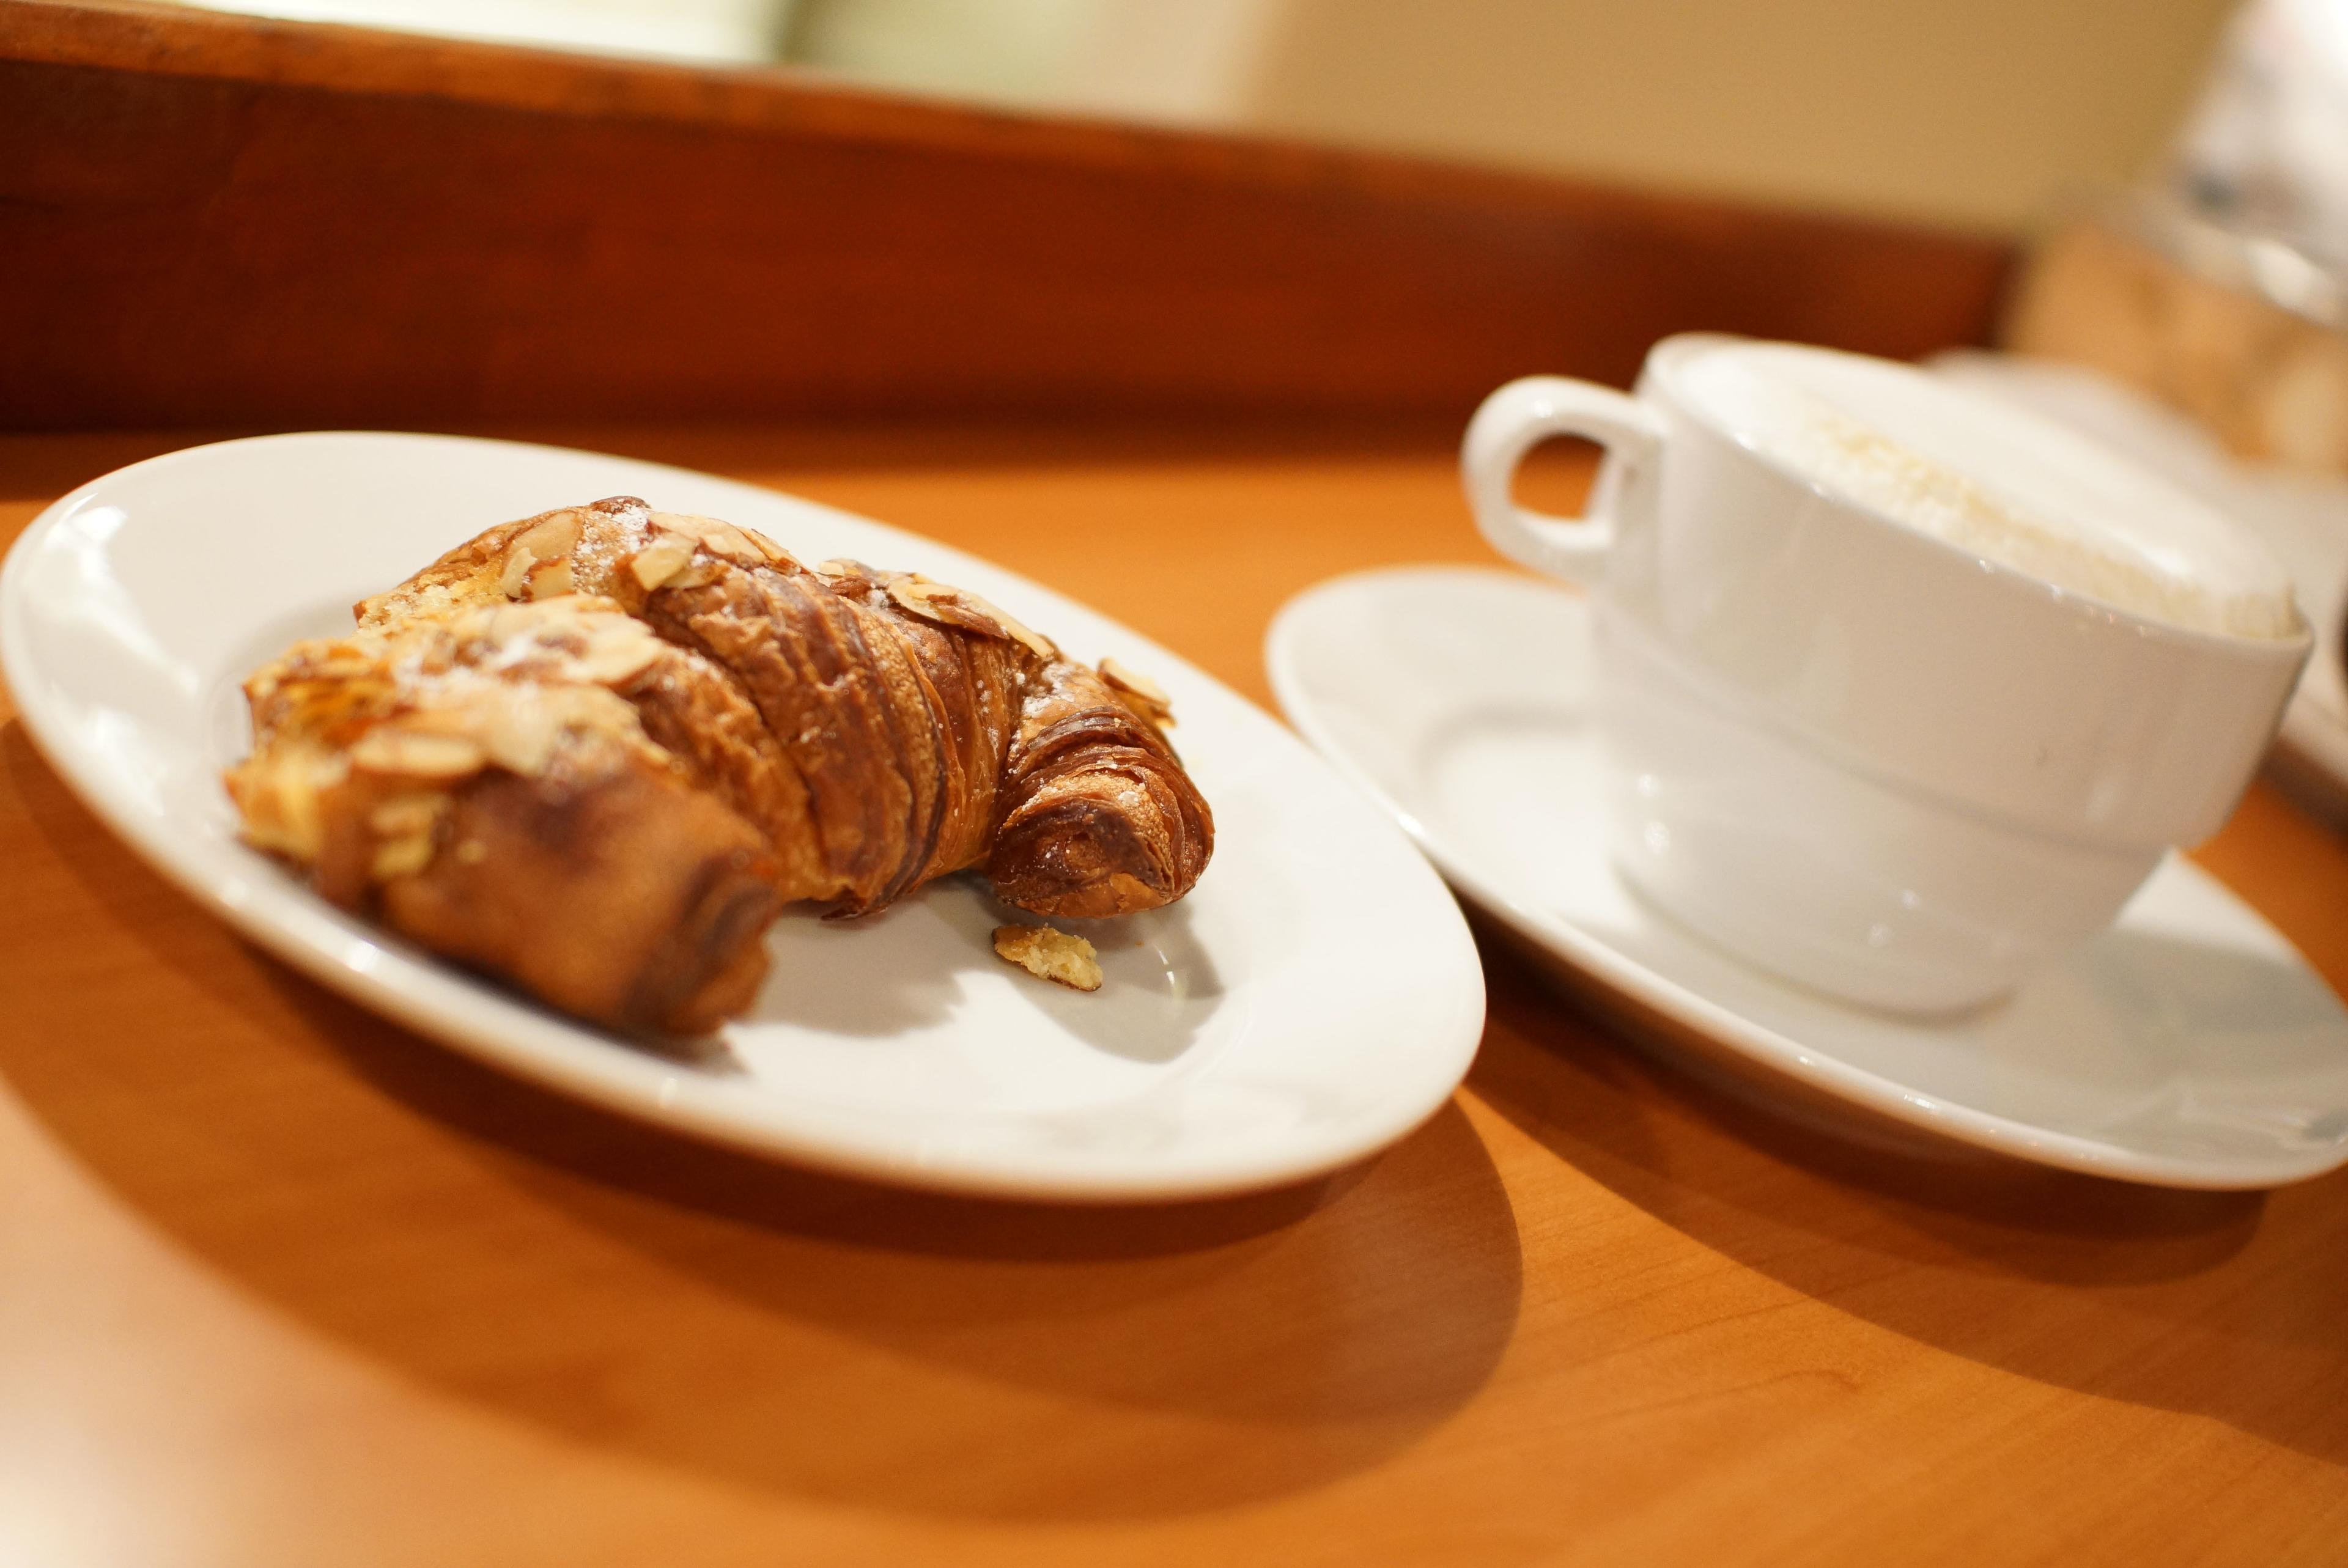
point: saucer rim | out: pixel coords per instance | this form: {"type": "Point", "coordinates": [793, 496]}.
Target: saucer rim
{"type": "Point", "coordinates": [1722, 1025]}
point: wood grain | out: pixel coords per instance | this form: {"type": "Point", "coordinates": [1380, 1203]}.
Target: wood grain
{"type": "Point", "coordinates": [210, 219]}
{"type": "Point", "coordinates": [286, 1286]}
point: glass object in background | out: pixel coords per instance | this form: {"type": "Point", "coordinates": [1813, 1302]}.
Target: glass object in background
{"type": "Point", "coordinates": [2241, 330]}
{"type": "Point", "coordinates": [2221, 288]}
{"type": "Point", "coordinates": [2266, 151]}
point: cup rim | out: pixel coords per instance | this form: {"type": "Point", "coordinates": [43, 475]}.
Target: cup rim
{"type": "Point", "coordinates": [1664, 360]}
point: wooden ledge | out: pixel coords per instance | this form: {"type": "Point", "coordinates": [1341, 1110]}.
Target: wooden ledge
{"type": "Point", "coordinates": [218, 220]}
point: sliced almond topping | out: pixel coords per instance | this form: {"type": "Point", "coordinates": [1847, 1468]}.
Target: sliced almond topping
{"type": "Point", "coordinates": [414, 755]}
{"type": "Point", "coordinates": [613, 657]}
{"type": "Point", "coordinates": [699, 574]}
{"type": "Point", "coordinates": [522, 738]}
{"type": "Point", "coordinates": [661, 560]}
{"type": "Point", "coordinates": [401, 857]}
{"type": "Point", "coordinates": [942, 605]}
{"type": "Point", "coordinates": [278, 796]}
{"type": "Point", "coordinates": [551, 580]}
{"type": "Point", "coordinates": [845, 577]}
{"type": "Point", "coordinates": [958, 607]}
{"type": "Point", "coordinates": [1010, 626]}
{"type": "Point", "coordinates": [404, 815]}
{"type": "Point", "coordinates": [722, 539]}
{"type": "Point", "coordinates": [776, 554]}
{"type": "Point", "coordinates": [1035, 642]}
{"type": "Point", "coordinates": [506, 624]}
{"type": "Point", "coordinates": [1140, 687]}
{"type": "Point", "coordinates": [557, 536]}
{"type": "Point", "coordinates": [1050, 955]}
{"type": "Point", "coordinates": [518, 564]}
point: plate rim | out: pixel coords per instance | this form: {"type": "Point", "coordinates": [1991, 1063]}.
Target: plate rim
{"type": "Point", "coordinates": [1723, 1026]}
{"type": "Point", "coordinates": [513, 1035]}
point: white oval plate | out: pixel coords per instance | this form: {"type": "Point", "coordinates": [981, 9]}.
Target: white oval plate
{"type": "Point", "coordinates": [1315, 999]}
{"type": "Point", "coordinates": [2190, 1046]}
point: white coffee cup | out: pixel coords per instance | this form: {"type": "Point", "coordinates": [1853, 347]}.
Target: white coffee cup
{"type": "Point", "coordinates": [1894, 767]}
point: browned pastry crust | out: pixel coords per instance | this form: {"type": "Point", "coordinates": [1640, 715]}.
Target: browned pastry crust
{"type": "Point", "coordinates": [1096, 818]}
{"type": "Point", "coordinates": [592, 752]}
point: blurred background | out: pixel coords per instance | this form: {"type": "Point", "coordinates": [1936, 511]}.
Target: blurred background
{"type": "Point", "coordinates": [1977, 115]}
{"type": "Point", "coordinates": [2177, 171]}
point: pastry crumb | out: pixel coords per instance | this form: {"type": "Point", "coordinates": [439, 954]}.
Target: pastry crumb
{"type": "Point", "coordinates": [1050, 955]}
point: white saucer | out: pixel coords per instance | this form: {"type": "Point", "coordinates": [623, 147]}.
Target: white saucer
{"type": "Point", "coordinates": [2190, 1046]}
{"type": "Point", "coordinates": [1316, 997]}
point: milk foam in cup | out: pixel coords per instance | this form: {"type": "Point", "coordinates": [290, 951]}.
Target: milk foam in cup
{"type": "Point", "coordinates": [1943, 460]}
{"type": "Point", "coordinates": [1903, 691]}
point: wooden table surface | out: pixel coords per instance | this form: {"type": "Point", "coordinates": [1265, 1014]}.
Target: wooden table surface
{"type": "Point", "coordinates": [285, 1284]}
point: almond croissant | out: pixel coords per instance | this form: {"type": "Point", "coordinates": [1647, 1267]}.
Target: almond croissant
{"type": "Point", "coordinates": [592, 752]}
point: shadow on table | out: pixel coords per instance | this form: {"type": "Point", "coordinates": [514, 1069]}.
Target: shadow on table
{"type": "Point", "coordinates": [2232, 1306]}
{"type": "Point", "coordinates": [757, 1323]}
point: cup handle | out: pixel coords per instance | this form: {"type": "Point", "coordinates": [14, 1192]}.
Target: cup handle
{"type": "Point", "coordinates": [1518, 418]}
